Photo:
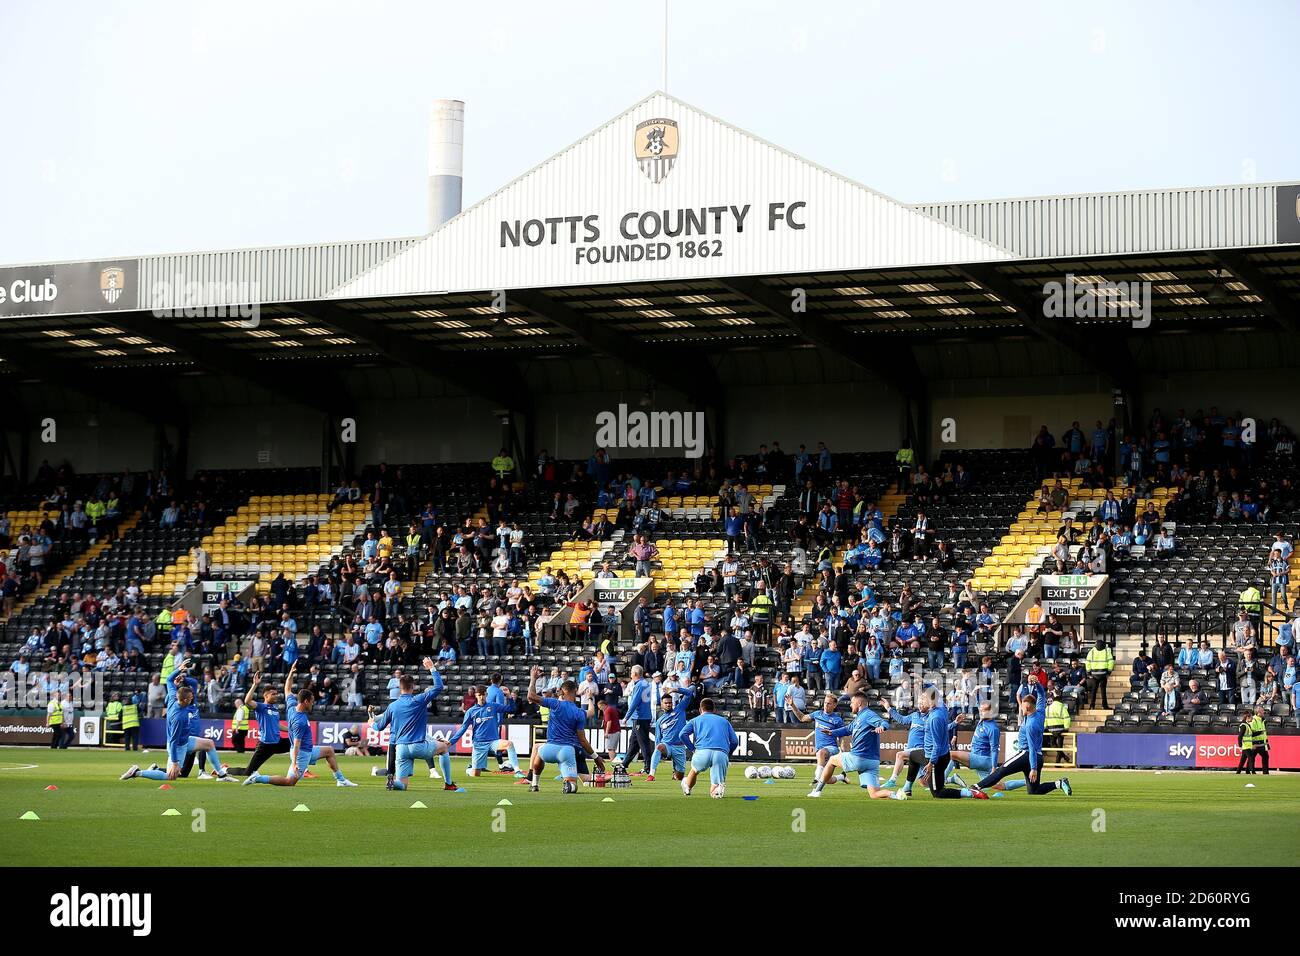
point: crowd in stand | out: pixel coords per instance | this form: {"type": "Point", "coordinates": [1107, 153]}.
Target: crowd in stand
{"type": "Point", "coordinates": [361, 613]}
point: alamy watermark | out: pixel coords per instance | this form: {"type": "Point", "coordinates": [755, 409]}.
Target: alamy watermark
{"type": "Point", "coordinates": [641, 429]}
{"type": "Point", "coordinates": [35, 689]}
{"type": "Point", "coordinates": [182, 298]}
{"type": "Point", "coordinates": [1097, 298]}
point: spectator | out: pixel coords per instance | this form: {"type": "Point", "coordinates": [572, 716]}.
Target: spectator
{"type": "Point", "coordinates": [1225, 670]}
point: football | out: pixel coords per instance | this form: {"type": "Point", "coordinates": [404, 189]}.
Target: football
{"type": "Point", "coordinates": [751, 773]}
{"type": "Point", "coordinates": [765, 771]}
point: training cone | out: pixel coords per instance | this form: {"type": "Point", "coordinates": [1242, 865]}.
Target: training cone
{"type": "Point", "coordinates": [504, 803]}
{"type": "Point", "coordinates": [769, 782]}
{"type": "Point", "coordinates": [29, 815]}
{"type": "Point", "coordinates": [749, 798]}
{"type": "Point", "coordinates": [165, 786]}
{"type": "Point", "coordinates": [171, 812]}
{"type": "Point", "coordinates": [1250, 786]}
{"type": "Point", "coordinates": [302, 808]}
{"type": "Point", "coordinates": [419, 805]}
{"type": "Point", "coordinates": [51, 787]}
{"type": "Point", "coordinates": [608, 800]}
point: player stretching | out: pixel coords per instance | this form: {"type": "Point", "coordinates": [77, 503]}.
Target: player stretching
{"type": "Point", "coordinates": [935, 750]}
{"type": "Point", "coordinates": [985, 746]}
{"type": "Point", "coordinates": [409, 717]}
{"type": "Point", "coordinates": [714, 739]}
{"type": "Point", "coordinates": [670, 726]}
{"type": "Point", "coordinates": [180, 743]}
{"type": "Point", "coordinates": [564, 734]}
{"type": "Point", "coordinates": [485, 718]}
{"type": "Point", "coordinates": [825, 721]}
{"type": "Point", "coordinates": [302, 752]}
{"type": "Point", "coordinates": [269, 741]}
{"type": "Point", "coordinates": [863, 755]}
{"type": "Point", "coordinates": [915, 722]}
{"type": "Point", "coordinates": [1028, 761]}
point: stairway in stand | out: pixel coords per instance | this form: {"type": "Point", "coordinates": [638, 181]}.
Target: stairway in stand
{"type": "Point", "coordinates": [83, 559]}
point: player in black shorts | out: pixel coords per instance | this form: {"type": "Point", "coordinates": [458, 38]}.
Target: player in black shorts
{"type": "Point", "coordinates": [269, 739]}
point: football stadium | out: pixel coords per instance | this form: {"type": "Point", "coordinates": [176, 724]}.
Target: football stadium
{"type": "Point", "coordinates": [680, 491]}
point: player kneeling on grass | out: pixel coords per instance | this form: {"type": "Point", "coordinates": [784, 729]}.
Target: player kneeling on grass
{"type": "Point", "coordinates": [985, 745]}
{"type": "Point", "coordinates": [485, 719]}
{"type": "Point", "coordinates": [714, 740]}
{"type": "Point", "coordinates": [670, 730]}
{"type": "Point", "coordinates": [409, 717]}
{"type": "Point", "coordinates": [302, 750]}
{"type": "Point", "coordinates": [180, 743]}
{"type": "Point", "coordinates": [565, 734]}
{"type": "Point", "coordinates": [863, 755]}
{"type": "Point", "coordinates": [1028, 761]}
{"type": "Point", "coordinates": [825, 723]}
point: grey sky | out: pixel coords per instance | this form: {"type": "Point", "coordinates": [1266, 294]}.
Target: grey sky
{"type": "Point", "coordinates": [140, 127]}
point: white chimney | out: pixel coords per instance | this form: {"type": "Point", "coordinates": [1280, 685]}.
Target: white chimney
{"type": "Point", "coordinates": [446, 159]}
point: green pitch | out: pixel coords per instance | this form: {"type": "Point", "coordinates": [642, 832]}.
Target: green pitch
{"type": "Point", "coordinates": [1114, 818]}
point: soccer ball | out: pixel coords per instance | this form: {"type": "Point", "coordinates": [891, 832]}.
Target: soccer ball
{"type": "Point", "coordinates": [751, 773]}
{"type": "Point", "coordinates": [765, 771]}
{"type": "Point", "coordinates": [787, 773]}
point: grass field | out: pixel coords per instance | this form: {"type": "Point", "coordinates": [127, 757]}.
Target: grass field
{"type": "Point", "coordinates": [95, 819]}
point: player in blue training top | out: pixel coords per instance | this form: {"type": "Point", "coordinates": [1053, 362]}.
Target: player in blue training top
{"type": "Point", "coordinates": [715, 740]}
{"type": "Point", "coordinates": [915, 723]}
{"type": "Point", "coordinates": [565, 734]}
{"type": "Point", "coordinates": [1028, 760]}
{"type": "Point", "coordinates": [484, 718]}
{"type": "Point", "coordinates": [932, 763]}
{"type": "Point", "coordinates": [409, 718]}
{"type": "Point", "coordinates": [180, 741]}
{"type": "Point", "coordinates": [269, 739]}
{"type": "Point", "coordinates": [825, 722]}
{"type": "Point", "coordinates": [985, 749]}
{"type": "Point", "coordinates": [670, 728]}
{"type": "Point", "coordinates": [302, 749]}
{"type": "Point", "coordinates": [863, 755]}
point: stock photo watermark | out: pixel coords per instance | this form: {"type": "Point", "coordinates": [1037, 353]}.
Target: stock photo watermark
{"type": "Point", "coordinates": [183, 298]}
{"type": "Point", "coordinates": [625, 429]}
{"type": "Point", "coordinates": [1093, 297]}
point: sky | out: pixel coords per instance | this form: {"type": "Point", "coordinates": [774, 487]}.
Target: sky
{"type": "Point", "coordinates": [137, 127]}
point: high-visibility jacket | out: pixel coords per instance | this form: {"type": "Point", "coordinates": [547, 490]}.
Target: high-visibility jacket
{"type": "Point", "coordinates": [95, 510]}
{"type": "Point", "coordinates": [1258, 733]}
{"type": "Point", "coordinates": [1058, 716]}
{"type": "Point", "coordinates": [240, 720]}
{"type": "Point", "coordinates": [1245, 735]}
{"type": "Point", "coordinates": [113, 714]}
{"type": "Point", "coordinates": [413, 544]}
{"type": "Point", "coordinates": [1251, 599]}
{"type": "Point", "coordinates": [760, 608]}
{"type": "Point", "coordinates": [1099, 662]}
{"type": "Point", "coordinates": [163, 622]}
{"type": "Point", "coordinates": [503, 465]}
{"type": "Point", "coordinates": [905, 457]}
{"type": "Point", "coordinates": [130, 715]}
{"type": "Point", "coordinates": [55, 710]}
{"type": "Point", "coordinates": [580, 615]}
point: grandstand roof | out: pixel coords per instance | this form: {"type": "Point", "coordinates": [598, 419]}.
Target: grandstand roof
{"type": "Point", "coordinates": [882, 280]}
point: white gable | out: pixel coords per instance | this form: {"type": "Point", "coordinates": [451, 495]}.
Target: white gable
{"type": "Point", "coordinates": [728, 204]}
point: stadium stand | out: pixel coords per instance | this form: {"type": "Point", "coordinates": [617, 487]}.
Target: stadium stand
{"type": "Point", "coordinates": [889, 563]}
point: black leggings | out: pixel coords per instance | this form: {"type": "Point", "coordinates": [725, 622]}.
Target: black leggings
{"type": "Point", "coordinates": [937, 773]}
{"type": "Point", "coordinates": [639, 744]}
{"type": "Point", "coordinates": [261, 754]}
{"type": "Point", "coordinates": [1019, 764]}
